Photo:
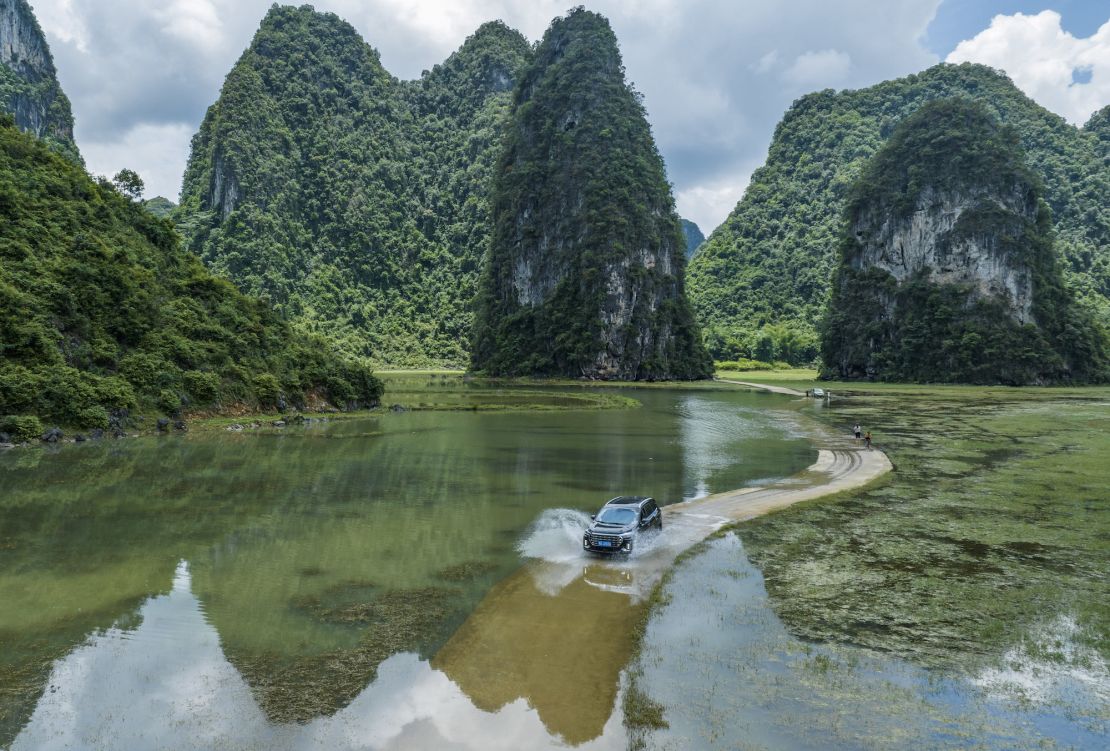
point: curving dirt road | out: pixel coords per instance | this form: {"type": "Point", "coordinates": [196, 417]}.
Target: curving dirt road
{"type": "Point", "coordinates": [836, 470]}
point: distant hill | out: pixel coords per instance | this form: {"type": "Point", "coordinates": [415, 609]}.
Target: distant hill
{"type": "Point", "coordinates": [586, 263]}
{"type": "Point", "coordinates": [159, 206]}
{"type": "Point", "coordinates": [772, 260]}
{"type": "Point", "coordinates": [355, 202]}
{"type": "Point", "coordinates": [29, 87]}
{"type": "Point", "coordinates": [948, 271]}
{"type": "Point", "coordinates": [693, 236]}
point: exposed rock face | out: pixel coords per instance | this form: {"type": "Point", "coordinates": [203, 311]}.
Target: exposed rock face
{"type": "Point", "coordinates": [586, 264]}
{"type": "Point", "coordinates": [944, 238]}
{"type": "Point", "coordinates": [29, 86]}
{"type": "Point", "coordinates": [772, 260]}
{"type": "Point", "coordinates": [948, 271]}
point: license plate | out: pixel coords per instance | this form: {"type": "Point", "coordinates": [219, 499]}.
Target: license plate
{"type": "Point", "coordinates": [604, 544]}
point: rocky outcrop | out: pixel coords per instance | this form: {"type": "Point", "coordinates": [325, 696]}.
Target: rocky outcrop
{"type": "Point", "coordinates": [29, 87]}
{"type": "Point", "coordinates": [587, 258]}
{"type": "Point", "coordinates": [773, 259]}
{"type": "Point", "coordinates": [948, 271]}
{"type": "Point", "coordinates": [945, 237]}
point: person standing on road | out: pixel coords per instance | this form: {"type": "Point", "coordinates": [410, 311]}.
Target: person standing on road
{"type": "Point", "coordinates": [867, 438]}
{"type": "Point", "coordinates": [858, 431]}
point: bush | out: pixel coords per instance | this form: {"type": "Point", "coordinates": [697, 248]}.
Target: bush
{"type": "Point", "coordinates": [746, 364]}
{"type": "Point", "coordinates": [22, 427]}
{"type": "Point", "coordinates": [266, 389]}
{"type": "Point", "coordinates": [202, 386]}
{"type": "Point", "coordinates": [169, 402]}
{"type": "Point", "coordinates": [92, 417]}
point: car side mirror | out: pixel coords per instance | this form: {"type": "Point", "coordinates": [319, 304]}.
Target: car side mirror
{"type": "Point", "coordinates": [593, 517]}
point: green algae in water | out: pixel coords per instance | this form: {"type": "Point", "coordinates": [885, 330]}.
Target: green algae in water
{"type": "Point", "coordinates": [950, 567]}
{"type": "Point", "coordinates": [731, 674]}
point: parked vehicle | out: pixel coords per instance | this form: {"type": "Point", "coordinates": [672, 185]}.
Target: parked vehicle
{"type": "Point", "coordinates": [621, 520]}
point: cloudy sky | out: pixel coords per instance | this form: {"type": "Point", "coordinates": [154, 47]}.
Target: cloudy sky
{"type": "Point", "coordinates": [716, 74]}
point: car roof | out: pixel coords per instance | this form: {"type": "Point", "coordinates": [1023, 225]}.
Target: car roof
{"type": "Point", "coordinates": [628, 500]}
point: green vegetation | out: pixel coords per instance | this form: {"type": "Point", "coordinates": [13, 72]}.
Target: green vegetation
{"type": "Point", "coordinates": [921, 329]}
{"type": "Point", "coordinates": [29, 87]}
{"type": "Point", "coordinates": [101, 311]}
{"type": "Point", "coordinates": [773, 258]}
{"type": "Point", "coordinates": [585, 271]}
{"type": "Point", "coordinates": [992, 525]}
{"type": "Point", "coordinates": [354, 202]}
{"type": "Point", "coordinates": [159, 206]}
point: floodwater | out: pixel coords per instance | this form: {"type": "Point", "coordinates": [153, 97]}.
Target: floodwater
{"type": "Point", "coordinates": [413, 580]}
{"type": "Point", "coordinates": [409, 580]}
{"type": "Point", "coordinates": [731, 675]}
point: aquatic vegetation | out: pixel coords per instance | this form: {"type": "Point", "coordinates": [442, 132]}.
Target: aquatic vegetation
{"type": "Point", "coordinates": [997, 513]}
{"type": "Point", "coordinates": [467, 571]}
{"type": "Point", "coordinates": [301, 687]}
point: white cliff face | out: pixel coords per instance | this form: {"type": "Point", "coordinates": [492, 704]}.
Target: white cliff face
{"type": "Point", "coordinates": [41, 108]}
{"type": "Point", "coordinates": [22, 47]}
{"type": "Point", "coordinates": [933, 238]}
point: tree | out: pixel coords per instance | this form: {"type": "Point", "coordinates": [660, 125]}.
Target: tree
{"type": "Point", "coordinates": [129, 184]}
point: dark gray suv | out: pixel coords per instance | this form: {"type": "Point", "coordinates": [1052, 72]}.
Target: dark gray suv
{"type": "Point", "coordinates": [614, 529]}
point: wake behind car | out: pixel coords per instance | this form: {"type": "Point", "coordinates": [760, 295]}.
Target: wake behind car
{"type": "Point", "coordinates": [621, 520]}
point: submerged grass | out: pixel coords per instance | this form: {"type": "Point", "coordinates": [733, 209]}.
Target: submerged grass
{"type": "Point", "coordinates": [297, 689]}
{"type": "Point", "coordinates": [996, 518]}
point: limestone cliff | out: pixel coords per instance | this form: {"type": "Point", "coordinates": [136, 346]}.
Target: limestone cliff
{"type": "Point", "coordinates": [948, 271]}
{"type": "Point", "coordinates": [585, 271]}
{"type": "Point", "coordinates": [954, 238]}
{"type": "Point", "coordinates": [29, 87]}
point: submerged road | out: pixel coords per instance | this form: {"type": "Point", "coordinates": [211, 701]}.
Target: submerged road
{"type": "Point", "coordinates": [836, 470]}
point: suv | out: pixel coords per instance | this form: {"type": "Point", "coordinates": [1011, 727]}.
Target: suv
{"type": "Point", "coordinates": [615, 527]}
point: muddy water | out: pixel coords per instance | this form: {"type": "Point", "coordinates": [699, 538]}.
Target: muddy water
{"type": "Point", "coordinates": [403, 581]}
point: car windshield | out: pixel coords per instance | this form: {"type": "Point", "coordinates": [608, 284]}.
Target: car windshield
{"type": "Point", "coordinates": [619, 516]}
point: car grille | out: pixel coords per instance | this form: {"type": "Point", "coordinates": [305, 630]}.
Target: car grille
{"type": "Point", "coordinates": [613, 540]}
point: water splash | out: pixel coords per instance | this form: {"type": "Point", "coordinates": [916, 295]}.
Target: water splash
{"type": "Point", "coordinates": [556, 536]}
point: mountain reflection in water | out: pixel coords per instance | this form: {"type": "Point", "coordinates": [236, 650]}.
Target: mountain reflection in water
{"type": "Point", "coordinates": [126, 687]}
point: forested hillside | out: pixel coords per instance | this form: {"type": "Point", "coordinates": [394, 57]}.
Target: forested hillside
{"type": "Point", "coordinates": [772, 260]}
{"type": "Point", "coordinates": [356, 203]}
{"type": "Point", "coordinates": [947, 270]}
{"type": "Point", "coordinates": [101, 311]}
{"type": "Point", "coordinates": [29, 87]}
{"type": "Point", "coordinates": [586, 263]}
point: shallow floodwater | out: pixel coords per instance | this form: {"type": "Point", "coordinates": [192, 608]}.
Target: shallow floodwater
{"type": "Point", "coordinates": [409, 580]}
{"type": "Point", "coordinates": [731, 675]}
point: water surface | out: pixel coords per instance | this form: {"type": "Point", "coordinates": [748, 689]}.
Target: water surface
{"type": "Point", "coordinates": [310, 587]}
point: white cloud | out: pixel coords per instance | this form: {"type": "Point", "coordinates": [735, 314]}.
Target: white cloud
{"type": "Point", "coordinates": [767, 62]}
{"type": "Point", "coordinates": [60, 21]}
{"type": "Point", "coordinates": [196, 22]}
{"type": "Point", "coordinates": [707, 204]}
{"type": "Point", "coordinates": [153, 150]}
{"type": "Point", "coordinates": [1042, 59]}
{"type": "Point", "coordinates": [819, 69]}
